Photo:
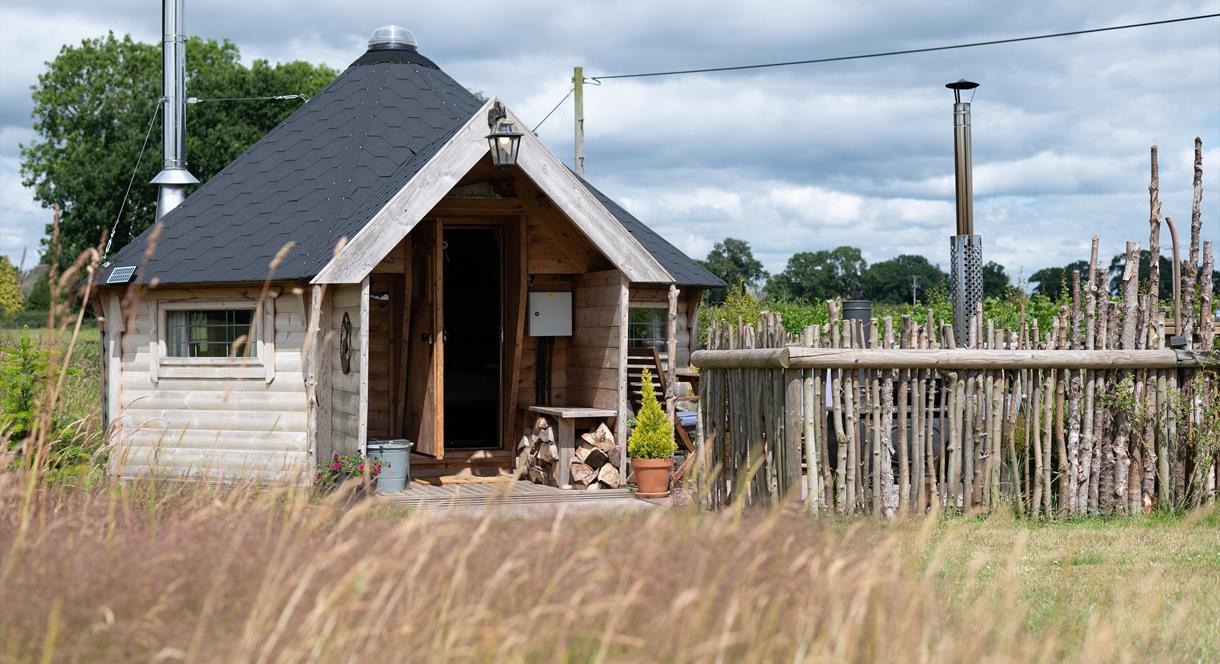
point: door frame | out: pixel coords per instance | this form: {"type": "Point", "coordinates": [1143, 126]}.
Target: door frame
{"type": "Point", "coordinates": [512, 298]}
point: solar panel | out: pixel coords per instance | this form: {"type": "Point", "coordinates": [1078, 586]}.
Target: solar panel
{"type": "Point", "coordinates": [121, 275]}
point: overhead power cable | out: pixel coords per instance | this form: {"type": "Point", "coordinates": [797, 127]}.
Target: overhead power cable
{"type": "Point", "coordinates": [127, 194]}
{"type": "Point", "coordinates": [552, 111]}
{"type": "Point", "coordinates": [909, 51]}
{"type": "Point", "coordinates": [197, 100]}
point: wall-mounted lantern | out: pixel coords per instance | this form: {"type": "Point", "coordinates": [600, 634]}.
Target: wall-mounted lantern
{"type": "Point", "coordinates": [504, 138]}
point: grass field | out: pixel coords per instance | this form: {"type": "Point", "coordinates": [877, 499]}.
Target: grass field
{"type": "Point", "coordinates": [99, 571]}
{"type": "Point", "coordinates": [82, 387]}
{"type": "Point", "coordinates": [162, 572]}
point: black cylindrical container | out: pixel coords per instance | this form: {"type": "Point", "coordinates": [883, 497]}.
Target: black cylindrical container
{"type": "Point", "coordinates": [861, 310]}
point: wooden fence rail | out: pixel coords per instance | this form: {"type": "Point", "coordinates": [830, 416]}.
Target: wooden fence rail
{"type": "Point", "coordinates": [1094, 416]}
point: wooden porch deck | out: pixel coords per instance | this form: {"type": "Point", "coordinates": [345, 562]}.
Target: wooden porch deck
{"type": "Point", "coordinates": [510, 498]}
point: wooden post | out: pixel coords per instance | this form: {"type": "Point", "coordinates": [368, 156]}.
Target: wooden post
{"type": "Point", "coordinates": [578, 109]}
{"type": "Point", "coordinates": [620, 422]}
{"type": "Point", "coordinates": [113, 361]}
{"type": "Point", "coordinates": [904, 395]}
{"type": "Point", "coordinates": [1207, 322]}
{"type": "Point", "coordinates": [794, 427]}
{"type": "Point", "coordinates": [809, 409]}
{"type": "Point", "coordinates": [1192, 263]}
{"type": "Point", "coordinates": [363, 420]}
{"type": "Point", "coordinates": [885, 475]}
{"type": "Point", "coordinates": [671, 351]}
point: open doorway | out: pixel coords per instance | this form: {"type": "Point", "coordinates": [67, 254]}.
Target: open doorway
{"type": "Point", "coordinates": [473, 316]}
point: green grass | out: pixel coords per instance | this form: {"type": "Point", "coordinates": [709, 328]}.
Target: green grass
{"type": "Point", "coordinates": [81, 398]}
{"type": "Point", "coordinates": [76, 421]}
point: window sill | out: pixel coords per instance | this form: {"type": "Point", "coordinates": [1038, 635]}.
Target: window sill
{"type": "Point", "coordinates": [211, 362]}
{"type": "Point", "coordinates": [210, 370]}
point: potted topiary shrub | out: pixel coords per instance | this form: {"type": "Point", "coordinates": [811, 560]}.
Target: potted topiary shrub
{"type": "Point", "coordinates": [651, 445]}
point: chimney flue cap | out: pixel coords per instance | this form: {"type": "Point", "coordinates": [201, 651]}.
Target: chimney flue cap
{"type": "Point", "coordinates": [392, 37]}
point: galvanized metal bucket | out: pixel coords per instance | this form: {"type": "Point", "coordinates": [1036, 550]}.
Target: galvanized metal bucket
{"type": "Point", "coordinates": [395, 455]}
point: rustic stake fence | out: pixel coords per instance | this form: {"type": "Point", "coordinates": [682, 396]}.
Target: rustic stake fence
{"type": "Point", "coordinates": [1093, 416]}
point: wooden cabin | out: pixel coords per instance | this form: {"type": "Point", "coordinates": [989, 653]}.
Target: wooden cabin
{"type": "Point", "coordinates": [364, 271]}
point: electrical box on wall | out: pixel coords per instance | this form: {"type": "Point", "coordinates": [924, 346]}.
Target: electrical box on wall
{"type": "Point", "coordinates": [550, 314]}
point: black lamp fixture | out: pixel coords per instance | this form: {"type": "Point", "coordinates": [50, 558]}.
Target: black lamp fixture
{"type": "Point", "coordinates": [504, 138]}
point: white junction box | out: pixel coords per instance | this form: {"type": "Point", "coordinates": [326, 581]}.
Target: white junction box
{"type": "Point", "coordinates": [550, 314]}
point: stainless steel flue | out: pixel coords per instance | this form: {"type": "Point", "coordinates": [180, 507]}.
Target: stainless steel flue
{"type": "Point", "coordinates": [965, 248]}
{"type": "Point", "coordinates": [174, 177]}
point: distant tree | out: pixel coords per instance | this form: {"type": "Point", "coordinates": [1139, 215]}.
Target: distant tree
{"type": "Point", "coordinates": [10, 286]}
{"type": "Point", "coordinates": [92, 108]}
{"type": "Point", "coordinates": [733, 261]}
{"type": "Point", "coordinates": [39, 298]}
{"type": "Point", "coordinates": [891, 281]}
{"type": "Point", "coordinates": [1056, 281]}
{"type": "Point", "coordinates": [820, 275]}
{"type": "Point", "coordinates": [995, 280]}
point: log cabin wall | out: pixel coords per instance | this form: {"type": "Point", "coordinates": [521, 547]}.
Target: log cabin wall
{"type": "Point", "coordinates": [385, 353]}
{"type": "Point", "coordinates": [594, 358]}
{"type": "Point", "coordinates": [180, 418]}
{"type": "Point", "coordinates": [345, 387]}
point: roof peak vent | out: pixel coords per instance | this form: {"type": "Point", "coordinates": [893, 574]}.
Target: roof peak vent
{"type": "Point", "coordinates": [392, 38]}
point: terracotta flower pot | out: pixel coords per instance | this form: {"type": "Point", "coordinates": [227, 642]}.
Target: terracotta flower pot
{"type": "Point", "coordinates": [652, 477]}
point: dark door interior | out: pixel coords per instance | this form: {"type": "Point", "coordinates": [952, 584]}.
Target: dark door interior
{"type": "Point", "coordinates": [472, 348]}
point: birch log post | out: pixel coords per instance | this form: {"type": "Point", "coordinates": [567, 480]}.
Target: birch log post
{"type": "Point", "coordinates": [904, 395]}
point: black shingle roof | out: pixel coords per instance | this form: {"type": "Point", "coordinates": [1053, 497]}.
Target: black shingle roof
{"type": "Point", "coordinates": [323, 173]}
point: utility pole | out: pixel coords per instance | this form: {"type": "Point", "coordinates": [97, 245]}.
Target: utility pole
{"type": "Point", "coordinates": [578, 103]}
{"type": "Point", "coordinates": [914, 287]}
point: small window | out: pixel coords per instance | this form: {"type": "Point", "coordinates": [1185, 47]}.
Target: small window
{"type": "Point", "coordinates": [646, 328]}
{"type": "Point", "coordinates": [210, 333]}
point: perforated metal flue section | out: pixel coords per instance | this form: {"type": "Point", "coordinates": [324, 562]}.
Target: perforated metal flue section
{"type": "Point", "coordinates": [965, 282]}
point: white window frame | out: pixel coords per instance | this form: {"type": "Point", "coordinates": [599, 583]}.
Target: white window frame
{"type": "Point", "coordinates": [659, 306]}
{"type": "Point", "coordinates": [162, 365]}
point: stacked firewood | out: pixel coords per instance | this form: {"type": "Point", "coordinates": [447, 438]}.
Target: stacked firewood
{"type": "Point", "coordinates": [594, 465]}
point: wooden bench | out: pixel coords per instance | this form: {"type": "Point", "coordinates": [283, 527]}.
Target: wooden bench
{"type": "Point", "coordinates": [566, 416]}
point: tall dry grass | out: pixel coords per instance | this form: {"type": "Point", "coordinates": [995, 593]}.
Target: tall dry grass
{"type": "Point", "coordinates": [171, 572]}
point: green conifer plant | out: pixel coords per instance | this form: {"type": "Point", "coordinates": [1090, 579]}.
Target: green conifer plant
{"type": "Point", "coordinates": [653, 435]}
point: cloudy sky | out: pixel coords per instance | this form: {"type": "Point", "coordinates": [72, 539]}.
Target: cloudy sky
{"type": "Point", "coordinates": [791, 159]}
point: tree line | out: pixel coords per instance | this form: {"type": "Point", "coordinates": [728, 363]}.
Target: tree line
{"type": "Point", "coordinates": [814, 276]}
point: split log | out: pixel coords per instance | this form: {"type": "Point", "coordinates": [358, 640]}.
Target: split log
{"type": "Point", "coordinates": [608, 475]}
{"type": "Point", "coordinates": [582, 474]}
{"type": "Point", "coordinates": [601, 438]}
{"type": "Point", "coordinates": [536, 475]}
{"type": "Point", "coordinates": [596, 458]}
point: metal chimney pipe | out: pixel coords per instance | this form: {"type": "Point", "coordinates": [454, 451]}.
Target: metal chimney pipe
{"type": "Point", "coordinates": [965, 248]}
{"type": "Point", "coordinates": [174, 177]}
{"type": "Point", "coordinates": [963, 166]}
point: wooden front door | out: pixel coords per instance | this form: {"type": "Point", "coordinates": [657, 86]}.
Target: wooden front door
{"type": "Point", "coordinates": [424, 415]}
